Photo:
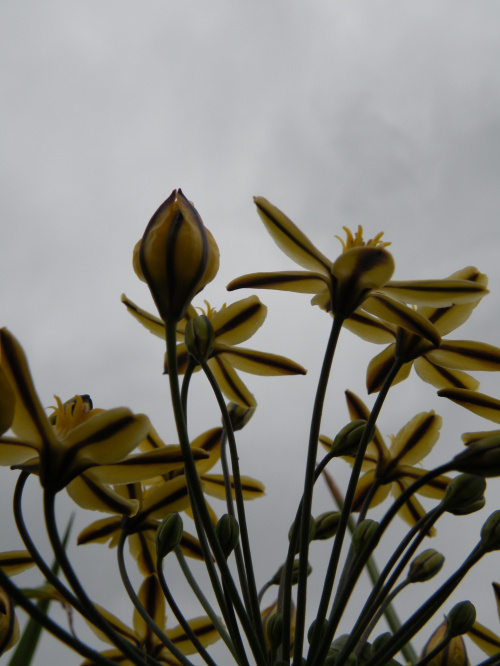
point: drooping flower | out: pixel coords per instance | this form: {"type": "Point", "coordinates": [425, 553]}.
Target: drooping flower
{"type": "Point", "coordinates": [177, 256]}
{"type": "Point", "coordinates": [394, 468]}
{"type": "Point", "coordinates": [359, 278]}
{"type": "Point", "coordinates": [232, 324]}
{"type": "Point", "coordinates": [443, 364]}
{"type": "Point", "coordinates": [141, 635]}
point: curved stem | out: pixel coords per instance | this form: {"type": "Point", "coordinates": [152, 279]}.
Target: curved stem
{"type": "Point", "coordinates": [185, 384]}
{"type": "Point", "coordinates": [308, 490]}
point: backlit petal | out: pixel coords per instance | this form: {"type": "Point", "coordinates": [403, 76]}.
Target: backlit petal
{"type": "Point", "coordinates": [101, 531]}
{"type": "Point", "coordinates": [239, 321]}
{"type": "Point", "coordinates": [14, 451]}
{"type": "Point", "coordinates": [485, 639]}
{"type": "Point", "coordinates": [411, 511]}
{"type": "Point", "coordinates": [379, 367]}
{"type": "Point", "coordinates": [466, 355]}
{"type": "Point", "coordinates": [169, 497]}
{"type": "Point", "coordinates": [438, 293]}
{"type": "Point", "coordinates": [370, 328]}
{"type": "Point", "coordinates": [434, 489]}
{"type": "Point", "coordinates": [202, 627]}
{"type": "Point", "coordinates": [15, 561]}
{"type": "Point", "coordinates": [399, 314]}
{"type": "Point", "coordinates": [154, 324]}
{"type": "Point", "coordinates": [151, 597]}
{"type": "Point", "coordinates": [303, 282]}
{"type": "Point", "coordinates": [443, 377]}
{"type": "Point", "coordinates": [478, 403]}
{"type": "Point", "coordinates": [97, 497]}
{"type": "Point", "coordinates": [290, 239]}
{"type": "Point", "coordinates": [363, 488]}
{"type": "Point", "coordinates": [259, 363]}
{"type": "Point", "coordinates": [417, 438]}
{"type": "Point", "coordinates": [230, 384]}
{"type": "Point", "coordinates": [213, 484]}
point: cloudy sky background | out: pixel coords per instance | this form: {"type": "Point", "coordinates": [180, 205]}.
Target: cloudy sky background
{"type": "Point", "coordinates": [382, 114]}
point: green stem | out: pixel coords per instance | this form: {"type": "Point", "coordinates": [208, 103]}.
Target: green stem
{"type": "Point", "coordinates": [308, 490]}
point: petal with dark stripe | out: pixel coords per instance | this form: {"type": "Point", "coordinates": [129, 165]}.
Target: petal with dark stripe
{"type": "Point", "coordinates": [379, 367]}
{"type": "Point", "coordinates": [239, 321]}
{"type": "Point", "coordinates": [230, 384]}
{"type": "Point", "coordinates": [204, 630]}
{"type": "Point", "coordinates": [443, 377]}
{"type": "Point", "coordinates": [258, 363]}
{"type": "Point", "coordinates": [417, 438]}
{"type": "Point", "coordinates": [214, 485]}
{"type": "Point", "coordinates": [478, 403]}
{"type": "Point", "coordinates": [154, 324]}
{"type": "Point", "coordinates": [399, 314]}
{"type": "Point", "coordinates": [302, 282]}
{"type": "Point", "coordinates": [438, 293]}
{"type": "Point", "coordinates": [97, 497]}
{"type": "Point", "coordinates": [15, 561]}
{"type": "Point", "coordinates": [466, 355]}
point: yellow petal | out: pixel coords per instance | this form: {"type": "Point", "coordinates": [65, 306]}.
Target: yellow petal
{"type": "Point", "coordinates": [485, 639]}
{"type": "Point", "coordinates": [399, 314]}
{"type": "Point", "coordinates": [97, 497]}
{"type": "Point", "coordinates": [434, 489]}
{"type": "Point", "coordinates": [438, 293]}
{"type": "Point", "coordinates": [466, 355]}
{"type": "Point", "coordinates": [203, 628]}
{"type": "Point", "coordinates": [15, 561]}
{"type": "Point", "coordinates": [302, 282]}
{"type": "Point", "coordinates": [169, 497]}
{"type": "Point", "coordinates": [30, 424]}
{"type": "Point", "coordinates": [214, 485]}
{"type": "Point", "coordinates": [154, 324]}
{"type": "Point", "coordinates": [230, 384]}
{"type": "Point", "coordinates": [417, 438]}
{"type": "Point", "coordinates": [370, 328]}
{"type": "Point", "coordinates": [151, 597]}
{"type": "Point", "coordinates": [411, 511]}
{"type": "Point", "coordinates": [442, 377]}
{"type": "Point", "coordinates": [258, 363]}
{"type": "Point", "coordinates": [478, 403]}
{"type": "Point", "coordinates": [378, 369]}
{"type": "Point", "coordinates": [364, 486]}
{"type": "Point", "coordinates": [239, 321]}
{"type": "Point", "coordinates": [209, 441]}
{"type": "Point", "coordinates": [143, 549]}
{"type": "Point", "coordinates": [14, 452]}
{"type": "Point", "coordinates": [101, 531]}
{"type": "Point", "coordinates": [290, 239]}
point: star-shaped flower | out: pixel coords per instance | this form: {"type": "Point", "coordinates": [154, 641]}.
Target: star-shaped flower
{"type": "Point", "coordinates": [141, 635]}
{"type": "Point", "coordinates": [232, 324]}
{"type": "Point", "coordinates": [394, 468]}
{"type": "Point", "coordinates": [359, 278]}
{"type": "Point", "coordinates": [441, 364]}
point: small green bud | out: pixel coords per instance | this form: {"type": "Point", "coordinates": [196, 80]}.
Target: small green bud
{"type": "Point", "coordinates": [465, 494]}
{"type": "Point", "coordinates": [200, 338]}
{"type": "Point", "coordinates": [347, 441]}
{"type": "Point", "coordinates": [335, 650]}
{"type": "Point", "coordinates": [228, 533]}
{"type": "Point", "coordinates": [490, 533]}
{"type": "Point", "coordinates": [425, 566]}
{"type": "Point", "coordinates": [239, 415]}
{"type": "Point", "coordinates": [274, 630]}
{"type": "Point", "coordinates": [460, 619]}
{"type": "Point", "coordinates": [379, 642]}
{"type": "Point", "coordinates": [312, 532]}
{"type": "Point", "coordinates": [363, 533]}
{"type": "Point", "coordinates": [312, 628]}
{"type": "Point", "coordinates": [275, 580]}
{"type": "Point", "coordinates": [168, 534]}
{"type": "Point", "coordinates": [326, 525]}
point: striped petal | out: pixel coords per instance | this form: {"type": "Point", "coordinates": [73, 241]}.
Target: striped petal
{"type": "Point", "coordinates": [443, 377]}
{"type": "Point", "coordinates": [435, 488]}
{"type": "Point", "coordinates": [302, 282]}
{"type": "Point", "coordinates": [14, 451]}
{"type": "Point", "coordinates": [478, 403]}
{"type": "Point", "coordinates": [204, 630]}
{"type": "Point", "coordinates": [15, 561]}
{"type": "Point", "coordinates": [209, 441]}
{"type": "Point", "coordinates": [486, 640]}
{"type": "Point", "coordinates": [258, 363]}
{"type": "Point", "coordinates": [466, 355]}
{"type": "Point", "coordinates": [290, 239]}
{"type": "Point", "coordinates": [30, 423]}
{"type": "Point", "coordinates": [370, 328]}
{"type": "Point", "coordinates": [239, 321]}
{"type": "Point", "coordinates": [151, 597]}
{"type": "Point", "coordinates": [399, 314]}
{"type": "Point", "coordinates": [364, 486]}
{"type": "Point", "coordinates": [213, 484]}
{"type": "Point", "coordinates": [438, 293]}
{"type": "Point", "coordinates": [417, 438]}
{"type": "Point", "coordinates": [169, 497]}
{"type": "Point", "coordinates": [102, 531]}
{"type": "Point", "coordinates": [142, 466]}
{"type": "Point", "coordinates": [379, 367]}
{"type": "Point", "coordinates": [94, 496]}
{"type": "Point", "coordinates": [377, 449]}
{"type": "Point", "coordinates": [143, 549]}
{"type": "Point", "coordinates": [154, 324]}
{"type": "Point", "coordinates": [230, 384]}
{"type": "Point", "coordinates": [411, 511]}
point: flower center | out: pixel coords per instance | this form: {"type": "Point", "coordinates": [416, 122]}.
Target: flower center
{"type": "Point", "coordinates": [357, 240]}
{"type": "Point", "coordinates": [67, 416]}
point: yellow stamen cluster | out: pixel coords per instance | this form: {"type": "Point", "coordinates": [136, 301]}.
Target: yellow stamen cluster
{"type": "Point", "coordinates": [357, 240]}
{"type": "Point", "coordinates": [71, 414]}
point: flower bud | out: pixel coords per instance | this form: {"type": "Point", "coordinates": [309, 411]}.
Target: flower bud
{"type": "Point", "coordinates": [200, 338]}
{"type": "Point", "coordinates": [482, 457]}
{"type": "Point", "coordinates": [425, 566]}
{"type": "Point", "coordinates": [326, 525]}
{"type": "Point", "coordinates": [176, 257]}
{"type": "Point", "coordinates": [168, 534]}
{"type": "Point", "coordinates": [312, 629]}
{"type": "Point", "coordinates": [228, 533]}
{"type": "Point", "coordinates": [490, 533]}
{"type": "Point", "coordinates": [379, 642]}
{"type": "Point", "coordinates": [363, 533]}
{"type": "Point", "coordinates": [355, 273]}
{"type": "Point", "coordinates": [239, 415]}
{"type": "Point", "coordinates": [274, 630]}
{"type": "Point", "coordinates": [347, 441]}
{"type": "Point", "coordinates": [461, 618]}
{"type": "Point", "coordinates": [465, 494]}
{"type": "Point", "coordinates": [275, 580]}
{"type": "Point", "coordinates": [7, 402]}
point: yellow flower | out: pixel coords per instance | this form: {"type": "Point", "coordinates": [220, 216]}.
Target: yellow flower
{"type": "Point", "coordinates": [394, 468]}
{"type": "Point", "coordinates": [12, 562]}
{"type": "Point", "coordinates": [232, 324]}
{"type": "Point", "coordinates": [359, 277]}
{"type": "Point", "coordinates": [441, 364]}
{"type": "Point", "coordinates": [141, 635]}
{"type": "Point", "coordinates": [177, 256]}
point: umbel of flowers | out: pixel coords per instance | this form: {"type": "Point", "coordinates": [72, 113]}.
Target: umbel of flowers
{"type": "Point", "coordinates": [153, 496]}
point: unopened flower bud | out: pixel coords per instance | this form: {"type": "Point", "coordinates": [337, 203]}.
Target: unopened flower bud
{"type": "Point", "coordinates": [363, 533]}
{"type": "Point", "coordinates": [465, 494]}
{"type": "Point", "coordinates": [176, 257]}
{"type": "Point", "coordinates": [482, 457]}
{"type": "Point", "coordinates": [453, 652]}
{"type": "Point", "coordinates": [379, 642]}
{"type": "Point", "coordinates": [347, 441]}
{"type": "Point", "coordinates": [425, 566]}
{"type": "Point", "coordinates": [168, 534]}
{"type": "Point", "coordinates": [461, 618]}
{"type": "Point", "coordinates": [326, 525]}
{"type": "Point", "coordinates": [228, 533]}
{"type": "Point", "coordinates": [239, 415]}
{"type": "Point", "coordinates": [312, 532]}
{"type": "Point", "coordinates": [355, 273]}
{"type": "Point", "coordinates": [490, 533]}
{"type": "Point", "coordinates": [274, 630]}
{"type": "Point", "coordinates": [199, 337]}
{"type": "Point", "coordinates": [275, 580]}
{"type": "Point", "coordinates": [312, 629]}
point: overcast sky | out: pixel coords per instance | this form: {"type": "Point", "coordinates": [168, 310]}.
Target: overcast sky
{"type": "Point", "coordinates": [385, 114]}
